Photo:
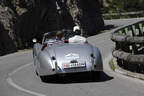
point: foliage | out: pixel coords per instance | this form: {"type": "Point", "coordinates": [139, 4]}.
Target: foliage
{"type": "Point", "coordinates": [112, 6]}
{"type": "Point", "coordinates": [111, 64]}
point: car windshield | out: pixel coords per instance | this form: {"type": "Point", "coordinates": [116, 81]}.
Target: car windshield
{"type": "Point", "coordinates": [51, 36]}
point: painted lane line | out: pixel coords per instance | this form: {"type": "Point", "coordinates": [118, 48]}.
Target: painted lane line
{"type": "Point", "coordinates": [19, 68]}
{"type": "Point", "coordinates": [13, 84]}
{"type": "Point", "coordinates": [10, 81]}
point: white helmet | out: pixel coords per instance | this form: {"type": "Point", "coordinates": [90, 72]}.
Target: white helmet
{"type": "Point", "coordinates": [76, 28]}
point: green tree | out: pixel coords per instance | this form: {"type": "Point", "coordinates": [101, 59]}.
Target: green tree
{"type": "Point", "coordinates": [122, 5]}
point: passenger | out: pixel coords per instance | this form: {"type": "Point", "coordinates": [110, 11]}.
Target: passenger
{"type": "Point", "coordinates": [59, 35]}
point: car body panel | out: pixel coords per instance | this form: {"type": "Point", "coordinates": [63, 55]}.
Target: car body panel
{"type": "Point", "coordinates": [61, 58]}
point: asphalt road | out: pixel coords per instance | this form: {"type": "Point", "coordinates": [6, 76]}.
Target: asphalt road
{"type": "Point", "coordinates": [17, 76]}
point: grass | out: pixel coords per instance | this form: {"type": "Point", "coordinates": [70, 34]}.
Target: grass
{"type": "Point", "coordinates": [111, 64]}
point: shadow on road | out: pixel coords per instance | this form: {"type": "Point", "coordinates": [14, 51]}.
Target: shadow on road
{"type": "Point", "coordinates": [78, 78]}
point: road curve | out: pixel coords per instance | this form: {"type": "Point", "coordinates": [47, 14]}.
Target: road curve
{"type": "Point", "coordinates": [17, 76]}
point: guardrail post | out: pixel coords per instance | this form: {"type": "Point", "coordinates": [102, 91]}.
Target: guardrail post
{"type": "Point", "coordinates": [134, 46]}
{"type": "Point", "coordinates": [120, 32]}
{"type": "Point", "coordinates": [133, 30]}
{"type": "Point", "coordinates": [140, 29]}
{"type": "Point", "coordinates": [126, 31]}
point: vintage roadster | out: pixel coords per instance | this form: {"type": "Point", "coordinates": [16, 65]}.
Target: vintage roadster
{"type": "Point", "coordinates": [54, 57]}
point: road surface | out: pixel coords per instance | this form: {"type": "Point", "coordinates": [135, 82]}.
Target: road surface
{"type": "Point", "coordinates": [17, 76]}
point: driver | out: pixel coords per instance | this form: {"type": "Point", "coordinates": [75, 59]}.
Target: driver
{"type": "Point", "coordinates": [57, 38]}
{"type": "Point", "coordinates": [59, 35]}
{"type": "Point", "coordinates": [77, 38]}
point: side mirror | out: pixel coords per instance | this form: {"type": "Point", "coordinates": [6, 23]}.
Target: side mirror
{"type": "Point", "coordinates": [34, 40]}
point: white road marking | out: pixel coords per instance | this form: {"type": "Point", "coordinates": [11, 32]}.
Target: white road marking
{"type": "Point", "coordinates": [13, 84]}
{"type": "Point", "coordinates": [19, 68]}
{"type": "Point", "coordinates": [10, 81]}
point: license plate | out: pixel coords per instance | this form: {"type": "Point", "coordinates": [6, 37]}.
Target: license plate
{"type": "Point", "coordinates": [74, 65]}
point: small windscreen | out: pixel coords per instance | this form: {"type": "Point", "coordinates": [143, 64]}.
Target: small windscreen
{"type": "Point", "coordinates": [52, 35]}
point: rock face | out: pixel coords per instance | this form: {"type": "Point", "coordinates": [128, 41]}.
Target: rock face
{"type": "Point", "coordinates": [65, 18]}
{"type": "Point", "coordinates": [22, 20]}
{"type": "Point", "coordinates": [86, 14]}
{"type": "Point", "coordinates": [7, 38]}
{"type": "Point", "coordinates": [41, 18]}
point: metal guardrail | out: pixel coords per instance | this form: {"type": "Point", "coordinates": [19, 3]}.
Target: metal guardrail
{"type": "Point", "coordinates": [129, 49]}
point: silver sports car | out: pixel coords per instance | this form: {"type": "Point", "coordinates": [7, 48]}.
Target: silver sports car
{"type": "Point", "coordinates": [56, 57]}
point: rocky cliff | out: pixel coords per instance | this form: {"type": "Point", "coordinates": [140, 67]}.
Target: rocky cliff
{"type": "Point", "coordinates": [86, 14]}
{"type": "Point", "coordinates": [7, 37]}
{"type": "Point", "coordinates": [22, 20]}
